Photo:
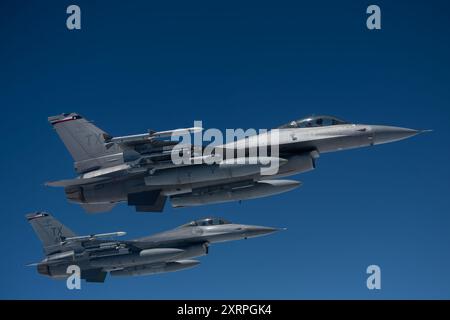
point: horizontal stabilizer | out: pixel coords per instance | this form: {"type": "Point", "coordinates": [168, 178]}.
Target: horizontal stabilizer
{"type": "Point", "coordinates": [75, 182]}
{"type": "Point", "coordinates": [60, 256]}
{"type": "Point", "coordinates": [56, 258]}
{"type": "Point", "coordinates": [34, 264]}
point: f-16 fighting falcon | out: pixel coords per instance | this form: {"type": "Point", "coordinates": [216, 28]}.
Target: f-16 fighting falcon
{"type": "Point", "coordinates": [98, 254]}
{"type": "Point", "coordinates": [138, 169]}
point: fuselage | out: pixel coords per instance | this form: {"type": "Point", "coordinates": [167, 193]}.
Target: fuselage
{"type": "Point", "coordinates": [299, 146]}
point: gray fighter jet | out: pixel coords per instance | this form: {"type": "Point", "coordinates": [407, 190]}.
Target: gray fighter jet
{"type": "Point", "coordinates": [98, 254]}
{"type": "Point", "coordinates": [138, 169]}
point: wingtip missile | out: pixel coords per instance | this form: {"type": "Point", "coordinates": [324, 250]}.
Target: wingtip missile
{"type": "Point", "coordinates": [145, 137]}
{"type": "Point", "coordinates": [96, 236]}
{"type": "Point", "coordinates": [175, 132]}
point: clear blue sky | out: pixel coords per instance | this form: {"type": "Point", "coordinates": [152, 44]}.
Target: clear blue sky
{"type": "Point", "coordinates": [236, 64]}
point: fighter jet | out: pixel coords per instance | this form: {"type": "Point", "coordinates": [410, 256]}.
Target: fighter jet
{"type": "Point", "coordinates": [98, 254]}
{"type": "Point", "coordinates": [138, 169]}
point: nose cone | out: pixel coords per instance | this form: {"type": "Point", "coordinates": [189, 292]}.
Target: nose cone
{"type": "Point", "coordinates": [386, 134]}
{"type": "Point", "coordinates": [257, 231]}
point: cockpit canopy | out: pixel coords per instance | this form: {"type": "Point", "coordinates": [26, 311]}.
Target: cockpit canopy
{"type": "Point", "coordinates": [211, 221]}
{"type": "Point", "coordinates": [314, 121]}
